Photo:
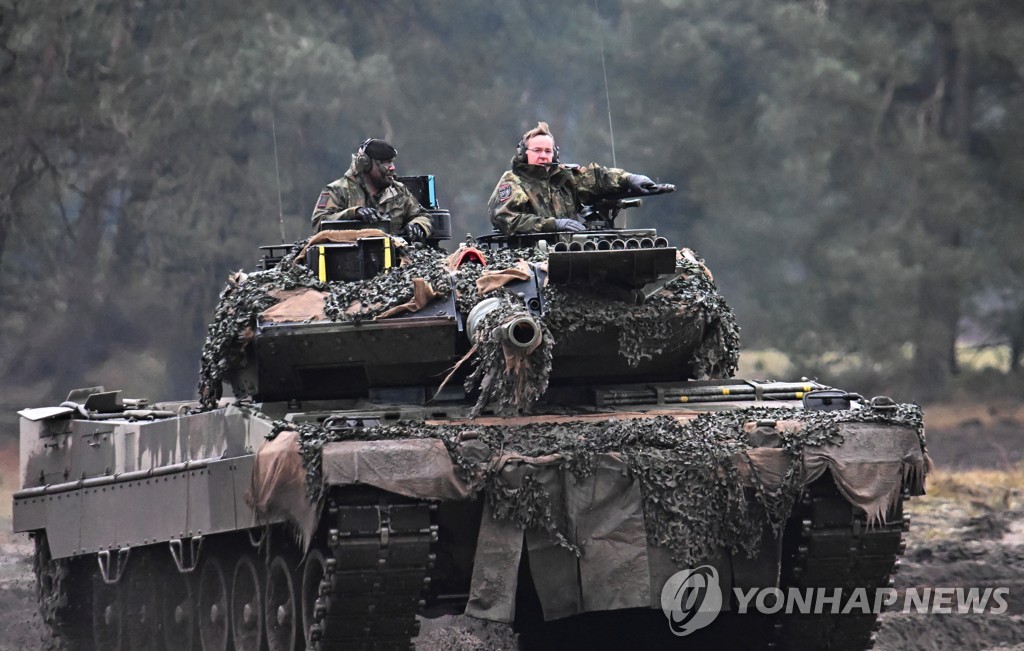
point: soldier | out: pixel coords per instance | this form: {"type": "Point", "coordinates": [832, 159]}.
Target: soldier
{"type": "Point", "coordinates": [369, 192]}
{"type": "Point", "coordinates": [539, 194]}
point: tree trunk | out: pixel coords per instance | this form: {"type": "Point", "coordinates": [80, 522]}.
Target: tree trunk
{"type": "Point", "coordinates": [1017, 345]}
{"type": "Point", "coordinates": [940, 291]}
{"type": "Point", "coordinates": [935, 347]}
{"type": "Point", "coordinates": [76, 337]}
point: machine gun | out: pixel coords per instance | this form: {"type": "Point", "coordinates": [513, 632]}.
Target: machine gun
{"type": "Point", "coordinates": [602, 213]}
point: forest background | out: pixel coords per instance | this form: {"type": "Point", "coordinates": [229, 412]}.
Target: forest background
{"type": "Point", "coordinates": [852, 172]}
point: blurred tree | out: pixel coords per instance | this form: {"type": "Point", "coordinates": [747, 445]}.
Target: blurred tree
{"type": "Point", "coordinates": [851, 171]}
{"type": "Point", "coordinates": [836, 148]}
{"type": "Point", "coordinates": [149, 163]}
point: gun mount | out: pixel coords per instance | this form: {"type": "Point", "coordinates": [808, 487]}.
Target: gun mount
{"type": "Point", "coordinates": [603, 212]}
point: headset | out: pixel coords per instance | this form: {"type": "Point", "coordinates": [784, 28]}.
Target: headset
{"type": "Point", "coordinates": [521, 152]}
{"type": "Point", "coordinates": [363, 162]}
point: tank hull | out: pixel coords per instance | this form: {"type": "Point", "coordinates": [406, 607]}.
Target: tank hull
{"type": "Point", "coordinates": [218, 504]}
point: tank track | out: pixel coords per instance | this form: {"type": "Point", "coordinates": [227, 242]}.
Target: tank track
{"type": "Point", "coordinates": [60, 595]}
{"type": "Point", "coordinates": [834, 548]}
{"type": "Point", "coordinates": [379, 555]}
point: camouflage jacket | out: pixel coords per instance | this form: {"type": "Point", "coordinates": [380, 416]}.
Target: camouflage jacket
{"type": "Point", "coordinates": [529, 198]}
{"type": "Point", "coordinates": [339, 200]}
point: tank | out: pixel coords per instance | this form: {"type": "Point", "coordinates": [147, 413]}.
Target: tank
{"type": "Point", "coordinates": [541, 430]}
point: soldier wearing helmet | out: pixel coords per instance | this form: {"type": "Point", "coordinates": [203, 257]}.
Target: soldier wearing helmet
{"type": "Point", "coordinates": [540, 194]}
{"type": "Point", "coordinates": [370, 192]}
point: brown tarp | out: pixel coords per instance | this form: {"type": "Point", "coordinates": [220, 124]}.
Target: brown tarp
{"type": "Point", "coordinates": [338, 237]}
{"type": "Point", "coordinates": [870, 466]}
{"type": "Point", "coordinates": [306, 304]}
{"type": "Point", "coordinates": [499, 550]}
{"type": "Point", "coordinates": [603, 512]}
{"type": "Point", "coordinates": [295, 305]}
{"type": "Point", "coordinates": [279, 486]}
{"type": "Point", "coordinates": [607, 519]}
{"type": "Point", "coordinates": [690, 256]}
{"type": "Point", "coordinates": [422, 293]}
{"type": "Point", "coordinates": [619, 570]}
{"type": "Point", "coordinates": [418, 468]}
{"type": "Point", "coordinates": [491, 280]}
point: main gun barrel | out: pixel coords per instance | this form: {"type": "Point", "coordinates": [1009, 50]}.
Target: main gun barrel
{"type": "Point", "coordinates": [521, 330]}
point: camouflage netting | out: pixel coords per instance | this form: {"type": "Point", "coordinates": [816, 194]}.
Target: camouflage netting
{"type": "Point", "coordinates": [465, 282]}
{"type": "Point", "coordinates": [694, 499]}
{"type": "Point", "coordinates": [687, 309]}
{"type": "Point", "coordinates": [246, 296]}
{"type": "Point", "coordinates": [688, 305]}
{"type": "Point", "coordinates": [371, 298]}
{"type": "Point", "coordinates": [508, 378]}
{"type": "Point", "coordinates": [235, 319]}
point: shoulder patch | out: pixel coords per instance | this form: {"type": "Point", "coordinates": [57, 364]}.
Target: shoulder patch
{"type": "Point", "coordinates": [504, 192]}
{"type": "Point", "coordinates": [322, 201]}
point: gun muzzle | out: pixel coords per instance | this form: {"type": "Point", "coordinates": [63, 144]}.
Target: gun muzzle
{"type": "Point", "coordinates": [522, 330]}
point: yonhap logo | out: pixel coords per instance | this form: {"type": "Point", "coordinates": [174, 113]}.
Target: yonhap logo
{"type": "Point", "coordinates": [691, 599]}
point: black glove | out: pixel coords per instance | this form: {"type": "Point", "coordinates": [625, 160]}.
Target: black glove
{"type": "Point", "coordinates": [569, 225]}
{"type": "Point", "coordinates": [414, 232]}
{"type": "Point", "coordinates": [639, 183]}
{"type": "Point", "coordinates": [368, 214]}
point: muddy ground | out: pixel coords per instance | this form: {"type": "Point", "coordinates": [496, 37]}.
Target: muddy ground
{"type": "Point", "coordinates": [969, 531]}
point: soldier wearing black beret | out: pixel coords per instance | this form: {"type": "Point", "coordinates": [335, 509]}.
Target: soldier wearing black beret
{"type": "Point", "coordinates": [370, 192]}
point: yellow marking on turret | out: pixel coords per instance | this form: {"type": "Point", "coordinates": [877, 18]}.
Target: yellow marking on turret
{"type": "Point", "coordinates": [387, 252]}
{"type": "Point", "coordinates": [322, 265]}
{"type": "Point", "coordinates": [725, 392]}
{"type": "Point", "coordinates": [684, 399]}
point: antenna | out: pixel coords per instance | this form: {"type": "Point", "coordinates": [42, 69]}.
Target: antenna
{"type": "Point", "coordinates": [273, 126]}
{"type": "Point", "coordinates": [607, 94]}
{"type": "Point", "coordinates": [273, 133]}
{"type": "Point", "coordinates": [277, 172]}
{"type": "Point", "coordinates": [277, 167]}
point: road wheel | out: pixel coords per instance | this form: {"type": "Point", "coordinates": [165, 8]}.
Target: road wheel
{"type": "Point", "coordinates": [313, 572]}
{"type": "Point", "coordinates": [247, 605]}
{"type": "Point", "coordinates": [282, 611]}
{"type": "Point", "coordinates": [213, 606]}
